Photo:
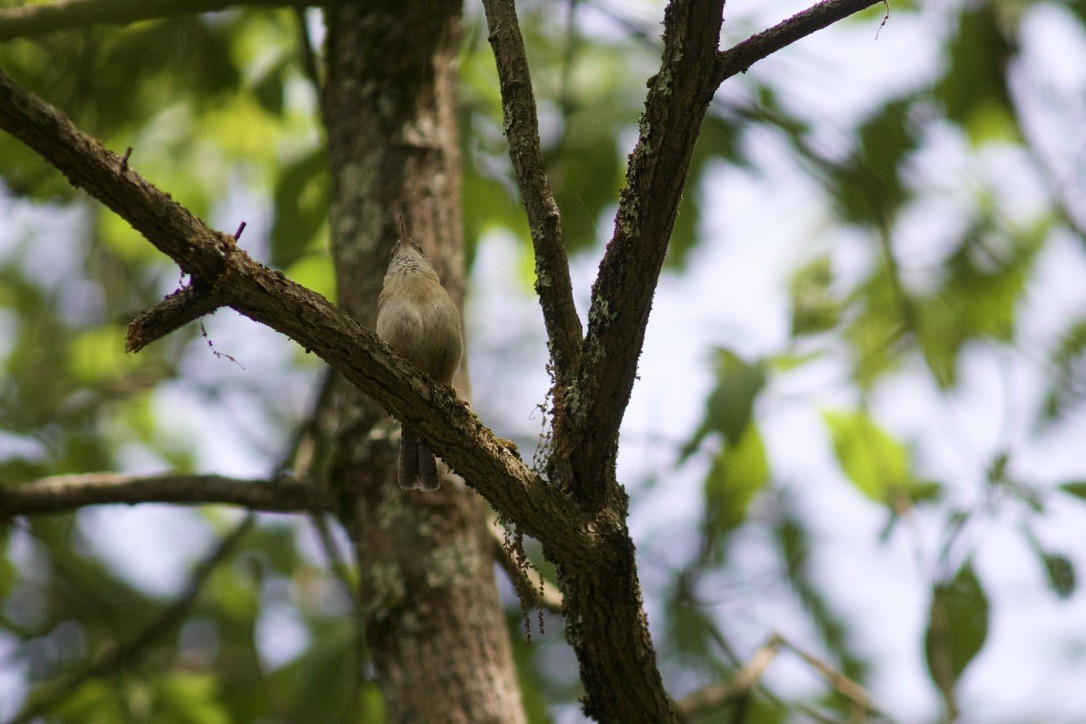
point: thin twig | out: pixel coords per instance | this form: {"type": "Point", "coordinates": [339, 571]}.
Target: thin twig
{"type": "Point", "coordinates": [717, 695]}
{"type": "Point", "coordinates": [843, 685]}
{"type": "Point", "coordinates": [553, 283]}
{"type": "Point", "coordinates": [64, 493]}
{"type": "Point", "coordinates": [28, 20]}
{"type": "Point", "coordinates": [168, 620]}
{"type": "Point", "coordinates": [721, 694]}
{"type": "Point", "coordinates": [740, 57]}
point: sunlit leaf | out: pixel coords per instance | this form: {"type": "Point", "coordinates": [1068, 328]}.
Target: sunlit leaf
{"type": "Point", "coordinates": [188, 698]}
{"type": "Point", "coordinates": [98, 355]}
{"type": "Point", "coordinates": [738, 473]}
{"type": "Point", "coordinates": [790, 361]}
{"type": "Point", "coordinates": [874, 461]}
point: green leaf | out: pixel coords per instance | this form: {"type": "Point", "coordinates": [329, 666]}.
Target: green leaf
{"type": "Point", "coordinates": [876, 331]}
{"type": "Point", "coordinates": [268, 89]}
{"type": "Point", "coordinates": [978, 298]}
{"type": "Point", "coordinates": [794, 542]}
{"type": "Point", "coordinates": [875, 463]}
{"type": "Point", "coordinates": [814, 308]}
{"type": "Point", "coordinates": [1076, 488]}
{"type": "Point", "coordinates": [1058, 568]}
{"type": "Point", "coordinates": [738, 473]}
{"type": "Point", "coordinates": [1060, 572]}
{"type": "Point", "coordinates": [1064, 391]}
{"type": "Point", "coordinates": [97, 355]}
{"type": "Point", "coordinates": [973, 88]}
{"type": "Point", "coordinates": [188, 698]}
{"type": "Point", "coordinates": [957, 628]}
{"type": "Point", "coordinates": [731, 403]}
{"type": "Point", "coordinates": [301, 207]}
{"type": "Point", "coordinates": [788, 361]}
{"type": "Point", "coordinates": [868, 186]}
{"type": "Point", "coordinates": [690, 628]}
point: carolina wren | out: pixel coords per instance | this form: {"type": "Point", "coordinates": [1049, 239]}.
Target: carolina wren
{"type": "Point", "coordinates": [418, 319]}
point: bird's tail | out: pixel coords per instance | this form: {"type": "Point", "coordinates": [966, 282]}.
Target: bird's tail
{"type": "Point", "coordinates": [418, 467]}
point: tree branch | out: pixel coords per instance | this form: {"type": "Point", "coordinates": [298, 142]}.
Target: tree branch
{"type": "Point", "coordinates": [717, 695]}
{"type": "Point", "coordinates": [739, 58]}
{"type": "Point", "coordinates": [846, 687]}
{"type": "Point", "coordinates": [552, 282]}
{"type": "Point", "coordinates": [175, 311]}
{"type": "Point", "coordinates": [678, 97]}
{"type": "Point", "coordinates": [168, 620]}
{"type": "Point", "coordinates": [64, 493]}
{"type": "Point", "coordinates": [28, 20]}
{"type": "Point", "coordinates": [213, 258]}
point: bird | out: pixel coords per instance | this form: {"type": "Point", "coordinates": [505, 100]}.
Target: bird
{"type": "Point", "coordinates": [418, 319]}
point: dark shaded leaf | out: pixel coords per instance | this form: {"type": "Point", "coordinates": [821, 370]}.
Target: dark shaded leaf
{"type": "Point", "coordinates": [983, 281]}
{"type": "Point", "coordinates": [268, 90]}
{"type": "Point", "coordinates": [973, 89]}
{"type": "Point", "coordinates": [717, 143]}
{"type": "Point", "coordinates": [868, 187]}
{"type": "Point", "coordinates": [1060, 572]}
{"type": "Point", "coordinates": [814, 308]}
{"type": "Point", "coordinates": [1076, 488]}
{"type": "Point", "coordinates": [957, 628]}
{"type": "Point", "coordinates": [301, 207]}
{"type": "Point", "coordinates": [731, 403]}
{"type": "Point", "coordinates": [1066, 389]}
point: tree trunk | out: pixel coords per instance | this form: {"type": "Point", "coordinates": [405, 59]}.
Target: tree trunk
{"type": "Point", "coordinates": [433, 620]}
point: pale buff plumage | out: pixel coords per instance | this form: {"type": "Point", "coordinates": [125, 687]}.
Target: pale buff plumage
{"type": "Point", "coordinates": [416, 317]}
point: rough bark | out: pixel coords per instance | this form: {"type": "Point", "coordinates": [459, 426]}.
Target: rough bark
{"type": "Point", "coordinates": [433, 619]}
{"type": "Point", "coordinates": [678, 96]}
